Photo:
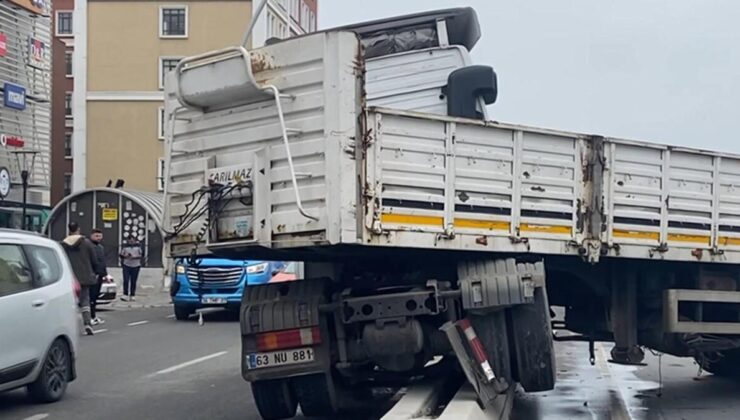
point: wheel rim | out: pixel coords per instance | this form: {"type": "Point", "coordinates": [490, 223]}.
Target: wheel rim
{"type": "Point", "coordinates": [56, 369]}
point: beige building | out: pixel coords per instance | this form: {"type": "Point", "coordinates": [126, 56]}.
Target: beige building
{"type": "Point", "coordinates": [123, 49]}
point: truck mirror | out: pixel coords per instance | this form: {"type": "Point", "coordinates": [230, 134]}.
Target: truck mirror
{"type": "Point", "coordinates": [464, 88]}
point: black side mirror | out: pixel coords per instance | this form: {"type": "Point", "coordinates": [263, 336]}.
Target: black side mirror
{"type": "Point", "coordinates": [465, 86]}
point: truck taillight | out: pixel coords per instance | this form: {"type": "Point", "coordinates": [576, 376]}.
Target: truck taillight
{"type": "Point", "coordinates": [288, 339]}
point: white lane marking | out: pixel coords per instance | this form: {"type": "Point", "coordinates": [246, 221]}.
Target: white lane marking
{"type": "Point", "coordinates": [186, 364]}
{"type": "Point", "coordinates": [37, 417]}
{"type": "Point", "coordinates": [133, 324]}
{"type": "Point", "coordinates": [623, 411]}
{"type": "Point", "coordinates": [170, 316]}
{"type": "Point", "coordinates": [102, 330]}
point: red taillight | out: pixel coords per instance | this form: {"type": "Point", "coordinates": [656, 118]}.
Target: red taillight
{"type": "Point", "coordinates": [76, 287]}
{"type": "Point", "coordinates": [288, 339]}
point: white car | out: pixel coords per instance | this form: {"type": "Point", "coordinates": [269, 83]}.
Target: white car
{"type": "Point", "coordinates": [39, 325]}
{"type": "Point", "coordinates": [108, 291]}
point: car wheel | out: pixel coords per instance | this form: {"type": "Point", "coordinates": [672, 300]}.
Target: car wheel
{"type": "Point", "coordinates": [182, 313]}
{"type": "Point", "coordinates": [53, 378]}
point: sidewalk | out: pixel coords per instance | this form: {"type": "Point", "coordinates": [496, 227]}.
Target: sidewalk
{"type": "Point", "coordinates": [150, 290]}
{"type": "Point", "coordinates": [144, 299]}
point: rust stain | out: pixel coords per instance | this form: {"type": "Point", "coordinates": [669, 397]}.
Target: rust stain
{"type": "Point", "coordinates": [261, 62]}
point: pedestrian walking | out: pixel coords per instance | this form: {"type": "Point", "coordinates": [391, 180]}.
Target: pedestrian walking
{"type": "Point", "coordinates": [81, 254]}
{"type": "Point", "coordinates": [101, 271]}
{"type": "Point", "coordinates": [131, 255]}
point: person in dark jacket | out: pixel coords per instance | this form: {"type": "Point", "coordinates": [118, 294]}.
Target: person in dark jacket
{"type": "Point", "coordinates": [102, 272]}
{"type": "Point", "coordinates": [81, 254]}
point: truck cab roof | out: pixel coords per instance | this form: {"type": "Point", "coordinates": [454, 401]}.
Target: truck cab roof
{"type": "Point", "coordinates": [417, 31]}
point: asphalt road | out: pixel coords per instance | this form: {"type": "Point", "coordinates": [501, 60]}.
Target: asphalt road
{"type": "Point", "coordinates": [145, 365]}
{"type": "Point", "coordinates": [136, 367]}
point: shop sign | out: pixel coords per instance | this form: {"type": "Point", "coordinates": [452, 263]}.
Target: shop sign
{"type": "Point", "coordinates": [3, 45]}
{"type": "Point", "coordinates": [11, 141]}
{"type": "Point", "coordinates": [14, 96]}
{"type": "Point", "coordinates": [36, 48]}
{"type": "Point", "coordinates": [4, 182]}
{"type": "Point", "coordinates": [34, 6]}
{"type": "Point", "coordinates": [110, 215]}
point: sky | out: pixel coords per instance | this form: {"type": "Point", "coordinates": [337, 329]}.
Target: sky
{"type": "Point", "coordinates": [664, 71]}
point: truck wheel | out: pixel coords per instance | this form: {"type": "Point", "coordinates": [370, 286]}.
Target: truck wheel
{"type": "Point", "coordinates": [274, 399]}
{"type": "Point", "coordinates": [726, 363]}
{"type": "Point", "coordinates": [316, 395]}
{"type": "Point", "coordinates": [182, 313]}
{"type": "Point", "coordinates": [491, 330]}
{"type": "Point", "coordinates": [533, 352]}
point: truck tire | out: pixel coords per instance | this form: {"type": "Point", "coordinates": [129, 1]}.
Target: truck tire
{"type": "Point", "coordinates": [182, 313]}
{"type": "Point", "coordinates": [533, 352]}
{"type": "Point", "coordinates": [725, 364]}
{"type": "Point", "coordinates": [491, 330]}
{"type": "Point", "coordinates": [316, 395]}
{"type": "Point", "coordinates": [274, 399]}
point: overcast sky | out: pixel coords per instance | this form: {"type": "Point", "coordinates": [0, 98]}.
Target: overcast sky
{"type": "Point", "coordinates": [666, 71]}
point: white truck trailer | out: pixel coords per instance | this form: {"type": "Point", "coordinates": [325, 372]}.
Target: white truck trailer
{"type": "Point", "coordinates": [366, 151]}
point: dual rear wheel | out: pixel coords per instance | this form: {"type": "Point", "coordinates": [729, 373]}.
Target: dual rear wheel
{"type": "Point", "coordinates": [279, 399]}
{"type": "Point", "coordinates": [519, 343]}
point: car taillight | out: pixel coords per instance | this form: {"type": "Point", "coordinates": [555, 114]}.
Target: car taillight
{"type": "Point", "coordinates": [76, 287]}
{"type": "Point", "coordinates": [288, 339]}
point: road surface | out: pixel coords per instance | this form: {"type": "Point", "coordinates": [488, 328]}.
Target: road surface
{"type": "Point", "coordinates": [145, 365]}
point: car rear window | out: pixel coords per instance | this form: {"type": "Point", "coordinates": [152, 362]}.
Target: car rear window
{"type": "Point", "coordinates": [46, 265]}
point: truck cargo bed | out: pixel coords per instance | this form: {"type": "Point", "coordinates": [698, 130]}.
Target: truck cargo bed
{"type": "Point", "coordinates": [374, 177]}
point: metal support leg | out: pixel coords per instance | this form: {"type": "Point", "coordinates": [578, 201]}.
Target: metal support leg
{"type": "Point", "coordinates": [624, 319]}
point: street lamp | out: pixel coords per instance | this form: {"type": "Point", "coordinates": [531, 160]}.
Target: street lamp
{"type": "Point", "coordinates": [26, 160]}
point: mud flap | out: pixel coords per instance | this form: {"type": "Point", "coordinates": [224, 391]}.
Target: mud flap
{"type": "Point", "coordinates": [474, 361]}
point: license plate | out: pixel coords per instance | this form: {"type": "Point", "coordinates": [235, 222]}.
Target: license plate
{"type": "Point", "coordinates": [279, 358]}
{"type": "Point", "coordinates": [213, 300]}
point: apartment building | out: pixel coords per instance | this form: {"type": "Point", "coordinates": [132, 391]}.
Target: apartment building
{"type": "Point", "coordinates": [285, 18]}
{"type": "Point", "coordinates": [122, 51]}
{"type": "Point", "coordinates": [25, 82]}
{"type": "Point", "coordinates": [62, 51]}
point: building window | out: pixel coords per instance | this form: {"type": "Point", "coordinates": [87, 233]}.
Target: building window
{"type": "Point", "coordinates": [305, 11]}
{"type": "Point", "coordinates": [173, 22]}
{"type": "Point", "coordinates": [67, 184]}
{"type": "Point", "coordinates": [161, 123]}
{"type": "Point", "coordinates": [68, 104]}
{"type": "Point", "coordinates": [160, 174]}
{"type": "Point", "coordinates": [68, 145]}
{"type": "Point", "coordinates": [295, 10]}
{"type": "Point", "coordinates": [312, 22]}
{"type": "Point", "coordinates": [64, 23]}
{"type": "Point", "coordinates": [276, 26]}
{"type": "Point", "coordinates": [166, 65]}
{"type": "Point", "coordinates": [68, 63]}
